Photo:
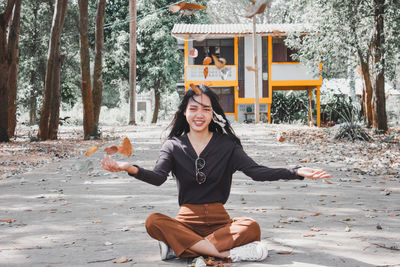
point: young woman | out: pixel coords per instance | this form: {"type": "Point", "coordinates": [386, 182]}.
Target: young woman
{"type": "Point", "coordinates": [202, 152]}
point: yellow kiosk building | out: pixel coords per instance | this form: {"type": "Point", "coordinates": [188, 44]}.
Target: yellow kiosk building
{"type": "Point", "coordinates": [235, 82]}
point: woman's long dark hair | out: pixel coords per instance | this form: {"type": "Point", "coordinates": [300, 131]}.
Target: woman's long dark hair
{"type": "Point", "coordinates": [179, 125]}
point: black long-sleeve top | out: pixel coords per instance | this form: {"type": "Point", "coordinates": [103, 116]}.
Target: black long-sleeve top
{"type": "Point", "coordinates": [222, 156]}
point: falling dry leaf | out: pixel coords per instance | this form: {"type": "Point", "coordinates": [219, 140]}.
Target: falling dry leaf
{"type": "Point", "coordinates": [207, 61]}
{"type": "Point", "coordinates": [125, 148]}
{"type": "Point", "coordinates": [7, 220]}
{"type": "Point", "coordinates": [174, 8]}
{"type": "Point", "coordinates": [205, 71]}
{"type": "Point", "coordinates": [257, 8]}
{"type": "Point", "coordinates": [193, 53]}
{"type": "Point", "coordinates": [195, 89]}
{"type": "Point", "coordinates": [123, 260]}
{"type": "Point", "coordinates": [284, 252]}
{"type": "Point", "coordinates": [305, 160]}
{"type": "Point", "coordinates": [309, 235]}
{"type": "Point", "coordinates": [90, 151]}
{"type": "Point", "coordinates": [276, 33]}
{"type": "Point", "coordinates": [316, 214]}
{"type": "Point", "coordinates": [111, 150]}
{"type": "Point", "coordinates": [251, 68]}
{"type": "Point", "coordinates": [314, 229]}
{"type": "Point", "coordinates": [219, 62]}
{"type": "Point", "coordinates": [188, 12]}
{"type": "Point", "coordinates": [185, 6]}
{"type": "Point", "coordinates": [302, 217]}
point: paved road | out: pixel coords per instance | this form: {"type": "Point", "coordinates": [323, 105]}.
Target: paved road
{"type": "Point", "coordinates": [65, 216]}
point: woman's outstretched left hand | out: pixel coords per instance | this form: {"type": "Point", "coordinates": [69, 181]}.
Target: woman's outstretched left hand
{"type": "Point", "coordinates": [312, 173]}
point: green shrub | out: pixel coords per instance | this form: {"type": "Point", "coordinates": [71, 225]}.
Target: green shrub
{"type": "Point", "coordinates": [339, 109]}
{"type": "Point", "coordinates": [350, 129]}
{"type": "Point", "coordinates": [289, 107]}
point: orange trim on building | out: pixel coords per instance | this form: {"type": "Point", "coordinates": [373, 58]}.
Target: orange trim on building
{"type": "Point", "coordinates": [263, 100]}
{"type": "Point", "coordinates": [296, 83]}
{"type": "Point", "coordinates": [285, 62]}
{"type": "Point", "coordinates": [212, 83]}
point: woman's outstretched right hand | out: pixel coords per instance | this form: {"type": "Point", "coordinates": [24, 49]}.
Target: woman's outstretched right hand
{"type": "Point", "coordinates": [109, 164]}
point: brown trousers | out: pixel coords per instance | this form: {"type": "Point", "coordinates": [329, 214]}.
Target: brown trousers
{"type": "Point", "coordinates": [196, 222]}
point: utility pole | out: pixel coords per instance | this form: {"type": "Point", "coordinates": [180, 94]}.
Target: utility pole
{"type": "Point", "coordinates": [258, 7]}
{"type": "Point", "coordinates": [256, 96]}
{"type": "Point", "coordinates": [132, 60]}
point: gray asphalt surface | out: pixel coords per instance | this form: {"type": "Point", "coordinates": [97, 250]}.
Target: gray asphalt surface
{"type": "Point", "coordinates": [73, 213]}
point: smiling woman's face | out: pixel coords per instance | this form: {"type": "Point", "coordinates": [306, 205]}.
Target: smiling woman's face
{"type": "Point", "coordinates": [199, 113]}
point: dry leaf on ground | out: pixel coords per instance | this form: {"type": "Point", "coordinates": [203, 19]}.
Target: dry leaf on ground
{"type": "Point", "coordinates": [285, 252]}
{"type": "Point", "coordinates": [281, 137]}
{"type": "Point", "coordinates": [309, 235]}
{"type": "Point", "coordinates": [123, 260]}
{"type": "Point", "coordinates": [7, 220]}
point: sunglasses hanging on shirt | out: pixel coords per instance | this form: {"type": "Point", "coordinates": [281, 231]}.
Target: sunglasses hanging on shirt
{"type": "Point", "coordinates": [200, 176]}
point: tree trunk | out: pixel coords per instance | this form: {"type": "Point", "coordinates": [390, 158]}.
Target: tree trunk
{"type": "Point", "coordinates": [33, 73]}
{"type": "Point", "coordinates": [51, 71]}
{"type": "Point", "coordinates": [87, 96]}
{"type": "Point", "coordinates": [4, 70]}
{"type": "Point", "coordinates": [367, 90]}
{"type": "Point", "coordinates": [32, 108]}
{"type": "Point", "coordinates": [380, 119]}
{"type": "Point", "coordinates": [56, 99]}
{"type": "Point", "coordinates": [156, 104]}
{"type": "Point", "coordinates": [132, 62]}
{"type": "Point", "coordinates": [98, 60]}
{"type": "Point", "coordinates": [13, 50]}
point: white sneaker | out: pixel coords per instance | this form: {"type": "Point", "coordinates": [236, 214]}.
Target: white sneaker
{"type": "Point", "coordinates": [254, 251]}
{"type": "Point", "coordinates": [166, 252]}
